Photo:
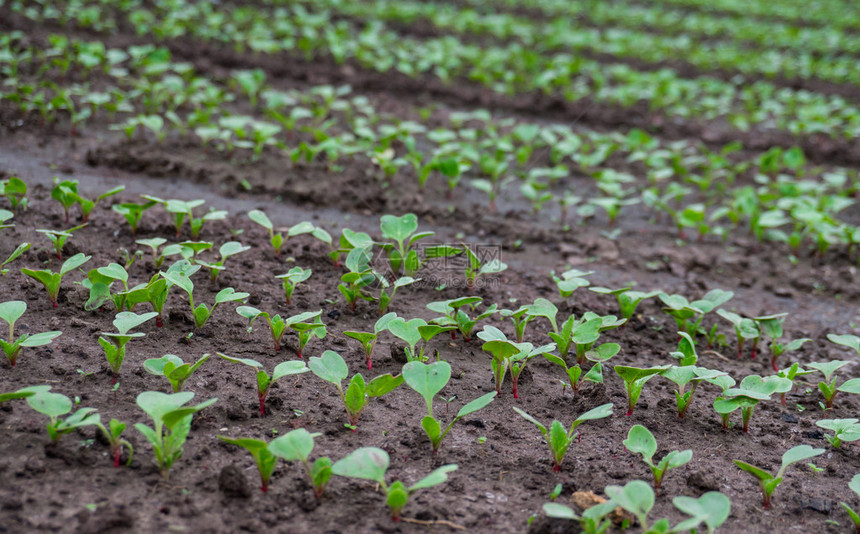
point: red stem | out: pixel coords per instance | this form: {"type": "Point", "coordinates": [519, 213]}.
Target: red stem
{"type": "Point", "coordinates": [516, 394]}
{"type": "Point", "coordinates": [116, 457]}
{"type": "Point", "coordinates": [158, 322]}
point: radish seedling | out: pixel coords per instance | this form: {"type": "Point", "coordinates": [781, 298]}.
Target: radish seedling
{"type": "Point", "coordinates": [413, 332]}
{"type": "Point", "coordinates": [59, 238]}
{"type": "Point", "coordinates": [10, 312]}
{"type": "Point", "coordinates": [854, 485]}
{"type": "Point", "coordinates": [359, 276]}
{"type": "Point", "coordinates": [843, 430]}
{"type": "Point", "coordinates": [153, 245]}
{"type": "Point", "coordinates": [114, 346]}
{"type": "Point", "coordinates": [113, 435]}
{"type": "Point", "coordinates": [559, 439]}
{"type": "Point", "coordinates": [263, 457]}
{"type": "Point", "coordinates": [173, 369]}
{"type": "Point", "coordinates": [182, 209]}
{"type": "Point", "coordinates": [518, 362]}
{"type": "Point", "coordinates": [570, 281]}
{"type": "Point", "coordinates": [770, 482]}
{"type": "Point", "coordinates": [752, 390]}
{"type": "Point", "coordinates": [23, 393]}
{"type": "Point", "coordinates": [475, 267]}
{"type": "Point", "coordinates": [22, 248]}
{"type": "Point", "coordinates": [745, 329]}
{"type": "Point", "coordinates": [592, 521]}
{"type": "Point", "coordinates": [230, 248]}
{"type": "Point", "coordinates": [264, 381]}
{"type": "Point", "coordinates": [202, 313]}
{"type": "Point", "coordinates": [828, 387]}
{"type": "Point", "coordinates": [428, 380]}
{"type": "Point", "coordinates": [454, 314]}
{"type": "Point", "coordinates": [688, 315]}
{"type": "Point", "coordinates": [637, 497]}
{"type": "Point", "coordinates": [171, 424]}
{"type": "Point", "coordinates": [55, 405]}
{"type": "Point", "coordinates": [291, 279]}
{"type": "Point", "coordinates": [370, 463]}
{"type": "Point", "coordinates": [574, 374]}
{"type": "Point", "coordinates": [332, 368]}
{"type": "Point", "coordinates": [387, 290]}
{"type": "Point", "coordinates": [628, 300]}
{"type": "Point", "coordinates": [684, 375]}
{"type": "Point", "coordinates": [349, 241]}
{"type": "Point", "coordinates": [52, 280]}
{"type": "Point", "coordinates": [778, 349]}
{"type": "Point", "coordinates": [791, 374]}
{"type": "Point", "coordinates": [586, 332]}
{"type": "Point", "coordinates": [297, 445]}
{"type": "Point", "coordinates": [133, 213]}
{"type": "Point", "coordinates": [520, 319]}
{"type": "Point", "coordinates": [278, 326]}
{"type": "Point", "coordinates": [402, 231]}
{"type": "Point", "coordinates": [277, 240]}
{"type": "Point", "coordinates": [14, 190]}
{"type": "Point", "coordinates": [712, 509]}
{"type": "Point", "coordinates": [634, 380]}
{"type": "Point", "coordinates": [66, 193]}
{"type": "Point", "coordinates": [368, 339]}
{"type": "Point", "coordinates": [640, 440]}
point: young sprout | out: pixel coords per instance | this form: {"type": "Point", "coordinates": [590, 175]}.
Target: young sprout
{"type": "Point", "coordinates": [843, 430]}
{"type": "Point", "coordinates": [854, 486]}
{"type": "Point", "coordinates": [23, 393]}
{"type": "Point", "coordinates": [297, 445]}
{"type": "Point", "coordinates": [10, 312]}
{"type": "Point", "coordinates": [359, 276]}
{"type": "Point", "coordinates": [753, 389]}
{"type": "Point", "coordinates": [230, 248]}
{"type": "Point", "coordinates": [14, 190]}
{"type": "Point", "coordinates": [745, 329]}
{"type": "Point", "coordinates": [52, 280]}
{"type": "Point", "coordinates": [368, 339]}
{"type": "Point", "coordinates": [846, 340]}
{"type": "Point", "coordinates": [586, 332]}
{"type": "Point", "coordinates": [171, 424]}
{"type": "Point", "coordinates": [113, 435]}
{"type": "Point", "coordinates": [688, 315]}
{"type": "Point", "coordinates": [640, 440]}
{"type": "Point", "coordinates": [293, 278]}
{"type": "Point", "coordinates": [6, 215]}
{"type": "Point", "coordinates": [173, 369]}
{"type": "Point", "coordinates": [428, 380]}
{"type": "Point", "coordinates": [402, 231]}
{"type": "Point", "coordinates": [476, 266]}
{"type": "Point", "coordinates": [264, 381]}
{"type": "Point", "coordinates": [520, 318]}
{"type": "Point", "coordinates": [828, 387]}
{"type": "Point", "coordinates": [55, 405]}
{"type": "Point", "coordinates": [637, 497]}
{"type": "Point", "coordinates": [278, 326]}
{"type": "Point", "coordinates": [570, 281]}
{"type": "Point", "coordinates": [592, 521]}
{"type": "Point", "coordinates": [22, 248]}
{"type": "Point", "coordinates": [574, 374]}
{"type": "Point", "coordinates": [684, 375]}
{"type": "Point", "coordinates": [453, 314]}
{"type": "Point", "coordinates": [59, 238]}
{"type": "Point", "coordinates": [182, 209]}
{"type": "Point", "coordinates": [133, 213]}
{"type": "Point", "coordinates": [770, 482]}
{"type": "Point", "coordinates": [634, 380]}
{"type": "Point", "coordinates": [153, 245]}
{"type": "Point", "coordinates": [559, 439]}
{"type": "Point", "coordinates": [413, 332]}
{"type": "Point", "coordinates": [332, 368]}
{"type": "Point", "coordinates": [370, 463]}
{"type": "Point", "coordinates": [263, 457]}
{"type": "Point", "coordinates": [497, 344]}
{"type": "Point", "coordinates": [791, 374]}
{"type": "Point", "coordinates": [628, 300]}
{"type": "Point", "coordinates": [778, 349]}
{"type": "Point", "coordinates": [66, 193]}
{"type": "Point", "coordinates": [277, 240]}
{"type": "Point", "coordinates": [114, 346]}
{"type": "Point", "coordinates": [202, 313]}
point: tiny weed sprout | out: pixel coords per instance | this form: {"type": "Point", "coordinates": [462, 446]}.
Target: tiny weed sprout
{"type": "Point", "coordinates": [52, 280]}
{"type": "Point", "coordinates": [402, 231]}
{"type": "Point", "coordinates": [770, 482]}
{"type": "Point", "coordinates": [202, 313]}
{"type": "Point", "coordinates": [370, 463]}
{"type": "Point", "coordinates": [263, 457]}
{"type": "Point", "coordinates": [628, 300]}
{"type": "Point", "coordinates": [828, 386]}
{"type": "Point", "coordinates": [113, 435]}
{"type": "Point", "coordinates": [173, 369]}
{"type": "Point", "coordinates": [291, 279]}
{"type": "Point", "coordinates": [332, 368]}
{"type": "Point", "coordinates": [634, 380]}
{"type": "Point", "coordinates": [843, 430]}
{"type": "Point", "coordinates": [59, 238]}
{"type": "Point", "coordinates": [230, 248]}
{"type": "Point", "coordinates": [846, 340]}
{"type": "Point", "coordinates": [753, 389]}
{"type": "Point", "coordinates": [570, 281]}
{"type": "Point", "coordinates": [55, 405]}
{"type": "Point", "coordinates": [428, 380]}
{"type": "Point", "coordinates": [368, 339]}
{"type": "Point", "coordinates": [171, 424]}
{"type": "Point", "coordinates": [14, 190]}
{"type": "Point", "coordinates": [854, 486]}
{"type": "Point", "coordinates": [297, 445]}
{"type": "Point", "coordinates": [114, 345]}
{"type": "Point", "coordinates": [592, 521]}
{"type": "Point", "coordinates": [264, 381]}
{"type": "Point", "coordinates": [688, 315]}
{"type": "Point", "coordinates": [133, 213]}
{"type": "Point", "coordinates": [22, 248]}
{"type": "Point", "coordinates": [454, 314]}
{"type": "Point", "coordinates": [304, 323]}
{"type": "Point", "coordinates": [640, 440]}
{"type": "Point", "coordinates": [415, 331]}
{"type": "Point", "coordinates": [10, 312]}
{"type": "Point", "coordinates": [476, 267]}
{"type": "Point", "coordinates": [559, 439]}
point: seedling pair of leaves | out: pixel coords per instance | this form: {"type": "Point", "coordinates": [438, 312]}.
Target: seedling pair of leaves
{"type": "Point", "coordinates": [55, 405]}
{"type": "Point", "coordinates": [291, 279]}
{"type": "Point", "coordinates": [349, 241]}
{"type": "Point", "coordinates": [476, 266]}
{"type": "Point", "coordinates": [415, 331]}
{"type": "Point", "coordinates": [769, 482]}
{"type": "Point", "coordinates": [305, 324]}
{"type": "Point", "coordinates": [828, 386]}
{"type": "Point", "coordinates": [264, 381]}
{"type": "Point", "coordinates": [99, 282]}
{"type": "Point", "coordinates": [179, 210]}
{"type": "Point", "coordinates": [58, 238]}
{"type": "Point", "coordinates": [753, 389]}
{"type": "Point", "coordinates": [854, 486]}
{"type": "Point", "coordinates": [295, 445]}
{"type": "Point", "coordinates": [277, 239]}
{"type": "Point", "coordinates": [640, 440]}
{"type": "Point", "coordinates": [371, 463]}
{"type": "Point", "coordinates": [230, 248]}
{"type": "Point", "coordinates": [523, 315]}
{"type": "Point", "coordinates": [843, 430]}
{"type": "Point", "coordinates": [332, 368]}
{"type": "Point", "coordinates": [171, 367]}
{"type": "Point", "coordinates": [133, 213]}
{"type": "Point", "coordinates": [202, 313]}
{"type": "Point", "coordinates": [52, 280]}
{"type": "Point", "coordinates": [14, 189]}
{"type": "Point", "coordinates": [428, 380]}
{"type": "Point", "coordinates": [368, 339]}
{"type": "Point", "coordinates": [66, 193]}
{"type": "Point", "coordinates": [401, 252]}
{"type": "Point", "coordinates": [688, 373]}
{"type": "Point", "coordinates": [114, 345]}
{"type": "Point", "coordinates": [558, 438]}
{"type": "Point", "coordinates": [508, 355]}
{"type": "Point", "coordinates": [10, 312]}
{"type": "Point", "coordinates": [359, 275]}
{"type": "Point", "coordinates": [171, 424]}
{"type": "Point", "coordinates": [453, 314]}
{"type": "Point", "coordinates": [688, 315]}
{"type": "Point", "coordinates": [628, 300]}
{"type": "Point", "coordinates": [113, 435]}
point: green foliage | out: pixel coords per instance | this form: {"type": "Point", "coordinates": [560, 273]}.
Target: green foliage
{"type": "Point", "coordinates": [10, 312]}
{"type": "Point", "coordinates": [114, 345]}
{"type": "Point", "coordinates": [559, 439]}
{"type": "Point", "coordinates": [297, 445]}
{"type": "Point", "coordinates": [173, 369]}
{"type": "Point", "coordinates": [264, 381]}
{"type": "Point", "coordinates": [402, 233]}
{"type": "Point", "coordinates": [640, 440]}
{"type": "Point", "coordinates": [770, 482]}
{"type": "Point", "coordinates": [634, 381]}
{"type": "Point", "coordinates": [52, 280]}
{"type": "Point", "coordinates": [55, 405]}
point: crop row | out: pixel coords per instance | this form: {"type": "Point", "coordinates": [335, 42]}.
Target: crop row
{"type": "Point", "coordinates": [511, 69]}
{"type": "Point", "coordinates": [573, 345]}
